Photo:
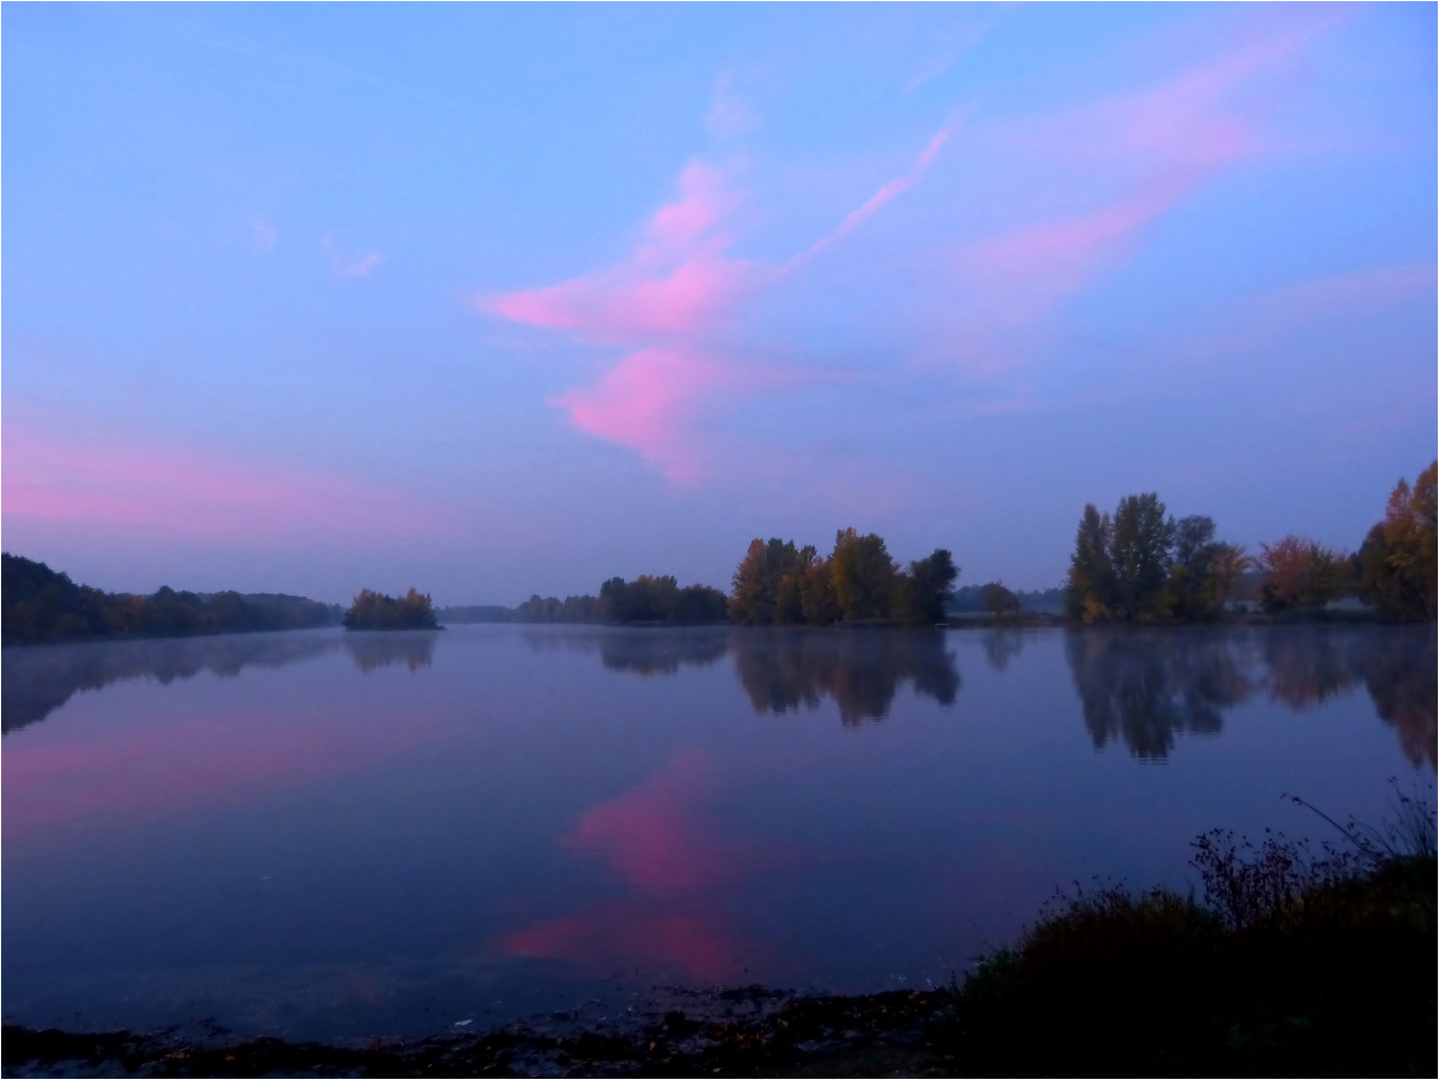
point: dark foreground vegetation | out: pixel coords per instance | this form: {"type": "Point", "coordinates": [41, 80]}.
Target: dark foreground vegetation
{"type": "Point", "coordinates": [42, 605]}
{"type": "Point", "coordinates": [1295, 962]}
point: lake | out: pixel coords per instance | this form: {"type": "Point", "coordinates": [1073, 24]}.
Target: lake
{"type": "Point", "coordinates": [331, 836]}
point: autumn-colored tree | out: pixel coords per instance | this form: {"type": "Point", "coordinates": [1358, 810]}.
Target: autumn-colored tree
{"type": "Point", "coordinates": [818, 605]}
{"type": "Point", "coordinates": [761, 593]}
{"type": "Point", "coordinates": [375, 611]}
{"type": "Point", "coordinates": [1397, 561]}
{"type": "Point", "coordinates": [997, 600]}
{"type": "Point", "coordinates": [1299, 573]}
{"type": "Point", "coordinates": [1092, 591]}
{"type": "Point", "coordinates": [791, 567]}
{"type": "Point", "coordinates": [863, 575]}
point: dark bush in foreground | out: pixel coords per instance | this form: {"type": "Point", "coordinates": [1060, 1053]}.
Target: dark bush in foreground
{"type": "Point", "coordinates": [1270, 976]}
{"type": "Point", "coordinates": [376, 611]}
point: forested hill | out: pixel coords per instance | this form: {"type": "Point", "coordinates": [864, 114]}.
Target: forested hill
{"type": "Point", "coordinates": [38, 604]}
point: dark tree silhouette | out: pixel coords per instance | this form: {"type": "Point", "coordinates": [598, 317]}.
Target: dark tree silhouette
{"type": "Point", "coordinates": [376, 611]}
{"type": "Point", "coordinates": [40, 604]}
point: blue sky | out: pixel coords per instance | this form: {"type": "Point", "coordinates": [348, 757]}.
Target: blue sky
{"type": "Point", "coordinates": [499, 300]}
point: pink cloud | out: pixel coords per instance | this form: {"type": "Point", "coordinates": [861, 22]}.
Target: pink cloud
{"type": "Point", "coordinates": [1151, 150]}
{"type": "Point", "coordinates": [887, 192]}
{"type": "Point", "coordinates": [1363, 292]}
{"type": "Point", "coordinates": [361, 267]}
{"type": "Point", "coordinates": [350, 267]}
{"type": "Point", "coordinates": [676, 284]}
{"type": "Point", "coordinates": [730, 114]}
{"type": "Point", "coordinates": [648, 403]}
{"type": "Point", "coordinates": [187, 492]}
{"type": "Point", "coordinates": [675, 302]}
{"type": "Point", "coordinates": [626, 307]}
{"type": "Point", "coordinates": [669, 301]}
{"type": "Point", "coordinates": [680, 307]}
{"type": "Point", "coordinates": [1015, 277]}
{"type": "Point", "coordinates": [1273, 319]}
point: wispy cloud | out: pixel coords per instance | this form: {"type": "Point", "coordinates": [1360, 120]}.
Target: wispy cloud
{"type": "Point", "coordinates": [670, 302]}
{"type": "Point", "coordinates": [263, 236]}
{"type": "Point", "coordinates": [887, 192]}
{"type": "Point", "coordinates": [350, 267]}
{"type": "Point", "coordinates": [678, 300]}
{"type": "Point", "coordinates": [1076, 190]}
{"type": "Point", "coordinates": [189, 492]}
{"type": "Point", "coordinates": [730, 114]}
{"type": "Point", "coordinates": [1150, 150]}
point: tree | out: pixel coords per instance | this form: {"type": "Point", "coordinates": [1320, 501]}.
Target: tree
{"type": "Point", "coordinates": [863, 575]}
{"type": "Point", "coordinates": [42, 605]}
{"type": "Point", "coordinates": [999, 601]}
{"type": "Point", "coordinates": [1141, 564]}
{"type": "Point", "coordinates": [818, 604]}
{"type": "Point", "coordinates": [1203, 570]}
{"type": "Point", "coordinates": [1228, 566]}
{"type": "Point", "coordinates": [1092, 591]}
{"type": "Point", "coordinates": [1299, 573]}
{"type": "Point", "coordinates": [748, 600]}
{"type": "Point", "coordinates": [758, 584]}
{"type": "Point", "coordinates": [927, 588]}
{"type": "Point", "coordinates": [375, 611]}
{"type": "Point", "coordinates": [1140, 554]}
{"type": "Point", "coordinates": [1396, 564]}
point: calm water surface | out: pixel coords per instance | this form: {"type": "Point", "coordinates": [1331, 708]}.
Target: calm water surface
{"type": "Point", "coordinates": [331, 836]}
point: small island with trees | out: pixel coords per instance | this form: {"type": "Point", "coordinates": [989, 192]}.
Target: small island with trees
{"type": "Point", "coordinates": [376, 611]}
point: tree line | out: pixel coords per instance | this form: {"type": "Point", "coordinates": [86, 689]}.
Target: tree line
{"type": "Point", "coordinates": [40, 605]}
{"type": "Point", "coordinates": [647, 600]}
{"type": "Point", "coordinates": [778, 583]}
{"type": "Point", "coordinates": [1141, 564]}
{"type": "Point", "coordinates": [371, 610]}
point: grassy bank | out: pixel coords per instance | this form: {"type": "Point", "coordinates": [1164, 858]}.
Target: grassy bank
{"type": "Point", "coordinates": [1290, 963]}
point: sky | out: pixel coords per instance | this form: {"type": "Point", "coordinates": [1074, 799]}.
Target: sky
{"type": "Point", "coordinates": [501, 300]}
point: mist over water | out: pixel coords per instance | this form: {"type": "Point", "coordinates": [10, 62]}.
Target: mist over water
{"type": "Point", "coordinates": [327, 835]}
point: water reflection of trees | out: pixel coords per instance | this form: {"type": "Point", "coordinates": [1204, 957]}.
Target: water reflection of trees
{"type": "Point", "coordinates": [661, 653]}
{"type": "Point", "coordinates": [1144, 687]}
{"type": "Point", "coordinates": [1001, 646]}
{"type": "Point", "coordinates": [644, 651]}
{"type": "Point", "coordinates": [862, 670]}
{"type": "Point", "coordinates": [371, 651]}
{"type": "Point", "coordinates": [38, 679]}
{"type": "Point", "coordinates": [1400, 670]}
{"type": "Point", "coordinates": [1307, 665]}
